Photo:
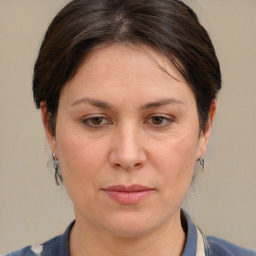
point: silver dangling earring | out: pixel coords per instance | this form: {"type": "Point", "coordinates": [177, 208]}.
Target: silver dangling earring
{"type": "Point", "coordinates": [58, 175]}
{"type": "Point", "coordinates": [201, 161]}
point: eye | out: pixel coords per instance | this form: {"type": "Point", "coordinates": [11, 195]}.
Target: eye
{"type": "Point", "coordinates": [159, 121]}
{"type": "Point", "coordinates": [97, 121]}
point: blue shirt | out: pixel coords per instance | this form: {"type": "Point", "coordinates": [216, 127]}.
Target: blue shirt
{"type": "Point", "coordinates": [59, 246]}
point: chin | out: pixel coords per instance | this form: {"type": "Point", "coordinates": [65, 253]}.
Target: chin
{"type": "Point", "coordinates": [133, 225]}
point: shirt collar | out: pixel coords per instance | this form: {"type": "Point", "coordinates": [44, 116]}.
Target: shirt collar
{"type": "Point", "coordinates": [191, 238]}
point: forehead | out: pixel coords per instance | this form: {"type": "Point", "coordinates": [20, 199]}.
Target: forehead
{"type": "Point", "coordinates": [126, 70]}
{"type": "Point", "coordinates": [134, 57]}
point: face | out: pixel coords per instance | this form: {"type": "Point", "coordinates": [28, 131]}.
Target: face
{"type": "Point", "coordinates": [127, 139]}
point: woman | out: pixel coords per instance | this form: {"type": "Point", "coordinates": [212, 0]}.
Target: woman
{"type": "Point", "coordinates": [127, 92]}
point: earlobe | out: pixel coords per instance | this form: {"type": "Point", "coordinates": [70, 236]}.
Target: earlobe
{"type": "Point", "coordinates": [45, 115]}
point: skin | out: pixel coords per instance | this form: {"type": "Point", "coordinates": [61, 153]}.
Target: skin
{"type": "Point", "coordinates": [127, 117]}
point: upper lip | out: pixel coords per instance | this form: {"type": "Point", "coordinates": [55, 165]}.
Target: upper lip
{"type": "Point", "coordinates": [123, 188]}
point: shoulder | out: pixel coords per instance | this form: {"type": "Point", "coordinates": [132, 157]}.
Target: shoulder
{"type": "Point", "coordinates": [48, 248]}
{"type": "Point", "coordinates": [27, 251]}
{"type": "Point", "coordinates": [220, 247]}
{"type": "Point", "coordinates": [57, 246]}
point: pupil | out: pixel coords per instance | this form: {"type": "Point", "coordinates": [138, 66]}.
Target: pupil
{"type": "Point", "coordinates": [157, 120]}
{"type": "Point", "coordinates": [97, 120]}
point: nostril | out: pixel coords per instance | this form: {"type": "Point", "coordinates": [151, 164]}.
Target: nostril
{"type": "Point", "coordinates": [117, 165]}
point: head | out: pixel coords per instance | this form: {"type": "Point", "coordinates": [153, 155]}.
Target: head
{"type": "Point", "coordinates": [119, 57]}
{"type": "Point", "coordinates": [167, 26]}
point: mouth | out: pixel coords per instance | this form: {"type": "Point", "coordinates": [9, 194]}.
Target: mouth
{"type": "Point", "coordinates": [128, 195]}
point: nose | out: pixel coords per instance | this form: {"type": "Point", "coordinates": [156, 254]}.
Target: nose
{"type": "Point", "coordinates": [127, 151]}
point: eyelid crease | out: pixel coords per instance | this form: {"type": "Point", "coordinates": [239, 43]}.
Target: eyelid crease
{"type": "Point", "coordinates": [166, 116]}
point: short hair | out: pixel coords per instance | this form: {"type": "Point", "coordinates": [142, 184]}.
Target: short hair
{"type": "Point", "coordinates": [168, 26]}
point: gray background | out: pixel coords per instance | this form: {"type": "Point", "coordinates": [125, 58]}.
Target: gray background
{"type": "Point", "coordinates": [222, 202]}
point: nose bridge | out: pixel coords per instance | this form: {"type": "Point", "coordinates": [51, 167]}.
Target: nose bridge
{"type": "Point", "coordinates": [128, 140]}
{"type": "Point", "coordinates": [127, 151]}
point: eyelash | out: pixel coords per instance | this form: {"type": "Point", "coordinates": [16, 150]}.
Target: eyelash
{"type": "Point", "coordinates": [167, 120]}
{"type": "Point", "coordinates": [104, 121]}
{"type": "Point", "coordinates": [88, 121]}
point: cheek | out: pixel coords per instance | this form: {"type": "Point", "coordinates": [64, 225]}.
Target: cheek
{"type": "Point", "coordinates": [81, 162]}
{"type": "Point", "coordinates": [176, 161]}
{"type": "Point", "coordinates": [178, 155]}
{"type": "Point", "coordinates": [80, 158]}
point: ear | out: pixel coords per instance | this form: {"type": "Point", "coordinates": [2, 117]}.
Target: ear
{"type": "Point", "coordinates": [45, 115]}
{"type": "Point", "coordinates": [205, 136]}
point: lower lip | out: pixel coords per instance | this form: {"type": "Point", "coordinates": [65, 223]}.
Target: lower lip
{"type": "Point", "coordinates": [133, 197]}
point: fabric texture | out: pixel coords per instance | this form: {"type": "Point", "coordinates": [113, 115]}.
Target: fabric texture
{"type": "Point", "coordinates": [58, 246]}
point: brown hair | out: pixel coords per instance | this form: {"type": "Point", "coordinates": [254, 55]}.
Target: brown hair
{"type": "Point", "coordinates": [168, 26]}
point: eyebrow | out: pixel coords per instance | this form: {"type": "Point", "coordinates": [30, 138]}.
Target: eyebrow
{"type": "Point", "coordinates": [105, 105]}
{"type": "Point", "coordinates": [96, 103]}
{"type": "Point", "coordinates": [162, 102]}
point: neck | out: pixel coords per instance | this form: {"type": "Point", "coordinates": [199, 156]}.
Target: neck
{"type": "Point", "coordinates": [166, 240]}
